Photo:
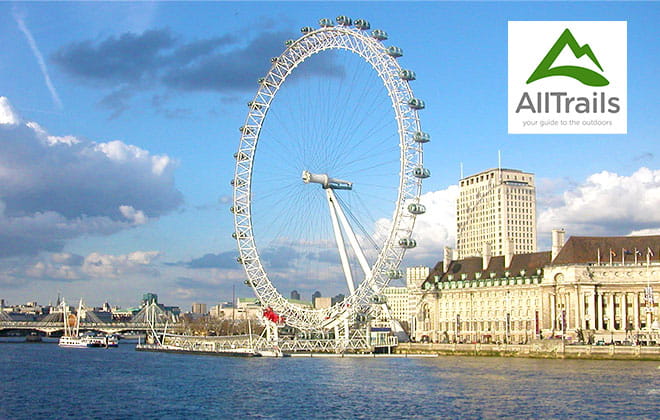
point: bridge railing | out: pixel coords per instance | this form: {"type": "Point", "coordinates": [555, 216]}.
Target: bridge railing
{"type": "Point", "coordinates": [101, 326]}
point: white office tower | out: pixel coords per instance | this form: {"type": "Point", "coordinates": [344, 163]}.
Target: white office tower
{"type": "Point", "coordinates": [496, 207]}
{"type": "Point", "coordinates": [415, 276]}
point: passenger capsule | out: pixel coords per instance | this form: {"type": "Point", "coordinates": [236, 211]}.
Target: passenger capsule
{"type": "Point", "coordinates": [274, 59]}
{"type": "Point", "coordinates": [248, 282]}
{"type": "Point", "coordinates": [421, 172]}
{"type": "Point", "coordinates": [255, 105]}
{"type": "Point", "coordinates": [237, 235]}
{"type": "Point", "coordinates": [394, 51]}
{"type": "Point", "coordinates": [395, 274]}
{"type": "Point", "coordinates": [407, 243]}
{"type": "Point", "coordinates": [240, 156]}
{"type": "Point", "coordinates": [239, 260]}
{"type": "Point", "coordinates": [407, 75]}
{"type": "Point", "coordinates": [362, 24]}
{"type": "Point", "coordinates": [326, 23]}
{"type": "Point", "coordinates": [236, 210]}
{"type": "Point", "coordinates": [344, 21]}
{"type": "Point", "coordinates": [415, 103]}
{"type": "Point", "coordinates": [379, 299]}
{"type": "Point", "coordinates": [264, 82]}
{"type": "Point", "coordinates": [416, 208]}
{"type": "Point", "coordinates": [421, 137]}
{"type": "Point", "coordinates": [306, 29]}
{"type": "Point", "coordinates": [237, 182]}
{"type": "Point", "coordinates": [245, 129]}
{"type": "Point", "coordinates": [289, 42]}
{"type": "Point", "coordinates": [379, 34]}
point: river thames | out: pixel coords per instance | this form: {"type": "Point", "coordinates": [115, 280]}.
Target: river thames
{"type": "Point", "coordinates": [45, 381]}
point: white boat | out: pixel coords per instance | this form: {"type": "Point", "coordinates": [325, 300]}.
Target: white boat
{"type": "Point", "coordinates": [102, 340]}
{"type": "Point", "coordinates": [272, 353]}
{"type": "Point", "coordinates": [79, 342]}
{"type": "Point", "coordinates": [72, 336]}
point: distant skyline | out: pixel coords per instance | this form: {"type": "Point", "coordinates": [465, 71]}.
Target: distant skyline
{"type": "Point", "coordinates": [118, 122]}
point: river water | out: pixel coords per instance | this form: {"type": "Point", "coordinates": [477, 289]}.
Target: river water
{"type": "Point", "coordinates": [44, 381]}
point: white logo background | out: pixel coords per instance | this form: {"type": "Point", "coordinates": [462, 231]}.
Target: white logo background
{"type": "Point", "coordinates": [530, 41]}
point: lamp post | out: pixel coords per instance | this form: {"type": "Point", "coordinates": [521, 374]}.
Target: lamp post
{"type": "Point", "coordinates": [508, 317]}
{"type": "Point", "coordinates": [458, 329]}
{"type": "Point", "coordinates": [563, 328]}
{"type": "Point", "coordinates": [609, 327]}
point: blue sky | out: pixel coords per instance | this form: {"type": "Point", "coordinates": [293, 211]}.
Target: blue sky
{"type": "Point", "coordinates": [151, 94]}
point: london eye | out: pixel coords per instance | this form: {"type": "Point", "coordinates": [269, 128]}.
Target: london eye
{"type": "Point", "coordinates": [328, 173]}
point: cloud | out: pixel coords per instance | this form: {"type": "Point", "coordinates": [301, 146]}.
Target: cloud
{"type": "Point", "coordinates": [222, 260]}
{"type": "Point", "coordinates": [159, 103]}
{"type": "Point", "coordinates": [157, 59]}
{"type": "Point", "coordinates": [117, 101]}
{"type": "Point", "coordinates": [56, 188]}
{"type": "Point", "coordinates": [113, 266]}
{"type": "Point", "coordinates": [209, 285]}
{"type": "Point", "coordinates": [128, 58]}
{"type": "Point", "coordinates": [67, 259]}
{"type": "Point", "coordinates": [276, 258]}
{"type": "Point", "coordinates": [280, 257]}
{"type": "Point", "coordinates": [645, 156]}
{"type": "Point", "coordinates": [48, 230]}
{"type": "Point", "coordinates": [7, 114]}
{"type": "Point", "coordinates": [67, 267]}
{"type": "Point", "coordinates": [646, 232]}
{"type": "Point", "coordinates": [235, 70]}
{"type": "Point", "coordinates": [135, 216]}
{"type": "Point", "coordinates": [606, 204]}
{"type": "Point", "coordinates": [434, 229]}
{"type": "Point", "coordinates": [40, 59]}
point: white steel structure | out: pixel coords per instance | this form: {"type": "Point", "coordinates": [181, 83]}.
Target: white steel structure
{"type": "Point", "coordinates": [318, 147]}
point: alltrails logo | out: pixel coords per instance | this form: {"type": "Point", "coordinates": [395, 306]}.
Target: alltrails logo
{"type": "Point", "coordinates": [568, 90]}
{"type": "Point", "coordinates": [584, 75]}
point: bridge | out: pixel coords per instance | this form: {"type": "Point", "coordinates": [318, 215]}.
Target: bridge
{"type": "Point", "coordinates": [151, 317]}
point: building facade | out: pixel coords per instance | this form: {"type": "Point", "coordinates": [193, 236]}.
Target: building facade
{"type": "Point", "coordinates": [496, 207]}
{"type": "Point", "coordinates": [199, 308]}
{"type": "Point", "coordinates": [589, 289]}
{"type": "Point", "coordinates": [397, 302]}
{"type": "Point", "coordinates": [321, 302]}
{"type": "Point", "coordinates": [415, 277]}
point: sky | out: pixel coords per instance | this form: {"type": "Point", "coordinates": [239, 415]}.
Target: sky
{"type": "Point", "coordinates": [118, 122]}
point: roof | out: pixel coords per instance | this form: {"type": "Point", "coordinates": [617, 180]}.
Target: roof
{"type": "Point", "coordinates": [585, 249]}
{"type": "Point", "coordinates": [299, 302]}
{"type": "Point", "coordinates": [497, 169]}
{"type": "Point", "coordinates": [577, 250]}
{"type": "Point", "coordinates": [436, 271]}
{"type": "Point", "coordinates": [468, 268]}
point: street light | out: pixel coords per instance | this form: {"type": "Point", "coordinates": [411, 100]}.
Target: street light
{"type": "Point", "coordinates": [607, 321]}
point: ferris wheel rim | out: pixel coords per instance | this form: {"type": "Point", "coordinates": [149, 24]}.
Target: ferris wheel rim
{"type": "Point", "coordinates": [409, 188]}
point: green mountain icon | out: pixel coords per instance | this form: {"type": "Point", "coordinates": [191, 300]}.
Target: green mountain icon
{"type": "Point", "coordinates": [584, 75]}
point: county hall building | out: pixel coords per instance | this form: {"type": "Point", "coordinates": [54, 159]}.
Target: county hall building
{"type": "Point", "coordinates": [499, 289]}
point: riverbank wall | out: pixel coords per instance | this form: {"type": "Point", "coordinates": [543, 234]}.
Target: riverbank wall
{"type": "Point", "coordinates": [544, 349]}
